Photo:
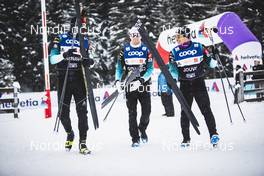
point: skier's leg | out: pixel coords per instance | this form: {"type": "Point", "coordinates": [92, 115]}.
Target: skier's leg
{"type": "Point", "coordinates": [185, 123]}
{"type": "Point", "coordinates": [236, 96]}
{"type": "Point", "coordinates": [131, 102]}
{"type": "Point", "coordinates": [203, 101]}
{"type": "Point", "coordinates": [163, 101]}
{"type": "Point", "coordinates": [145, 101]}
{"type": "Point", "coordinates": [65, 111]}
{"type": "Point", "coordinates": [168, 103]}
{"type": "Point", "coordinates": [81, 108]}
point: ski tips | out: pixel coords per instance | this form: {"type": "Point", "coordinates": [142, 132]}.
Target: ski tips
{"type": "Point", "coordinates": [103, 104]}
{"type": "Point", "coordinates": [138, 24]}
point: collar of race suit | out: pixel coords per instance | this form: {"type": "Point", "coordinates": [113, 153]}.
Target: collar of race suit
{"type": "Point", "coordinates": [185, 45]}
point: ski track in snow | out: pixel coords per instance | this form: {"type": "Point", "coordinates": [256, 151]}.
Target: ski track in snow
{"type": "Point", "coordinates": [28, 145]}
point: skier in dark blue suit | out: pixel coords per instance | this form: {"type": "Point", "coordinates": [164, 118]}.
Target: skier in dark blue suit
{"type": "Point", "coordinates": [65, 53]}
{"type": "Point", "coordinates": [136, 54]}
{"type": "Point", "coordinates": [165, 94]}
{"type": "Point", "coordinates": [188, 63]}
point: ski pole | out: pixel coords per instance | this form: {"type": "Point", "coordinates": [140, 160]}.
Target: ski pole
{"type": "Point", "coordinates": [110, 108]}
{"type": "Point", "coordinates": [232, 90]}
{"type": "Point", "coordinates": [133, 75]}
{"type": "Point", "coordinates": [85, 69]}
{"type": "Point", "coordinates": [227, 104]}
{"type": "Point", "coordinates": [221, 78]}
{"type": "Point", "coordinates": [225, 74]}
{"type": "Point", "coordinates": [57, 122]}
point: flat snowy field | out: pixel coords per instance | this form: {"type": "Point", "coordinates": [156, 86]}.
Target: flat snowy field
{"type": "Point", "coordinates": [28, 145]}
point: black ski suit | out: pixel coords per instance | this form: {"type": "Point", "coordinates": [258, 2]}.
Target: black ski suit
{"type": "Point", "coordinates": [189, 63]}
{"type": "Point", "coordinates": [165, 93]}
{"type": "Point", "coordinates": [75, 83]}
{"type": "Point", "coordinates": [129, 59]}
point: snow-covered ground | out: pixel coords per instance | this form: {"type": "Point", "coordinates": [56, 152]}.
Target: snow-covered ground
{"type": "Point", "coordinates": [28, 145]}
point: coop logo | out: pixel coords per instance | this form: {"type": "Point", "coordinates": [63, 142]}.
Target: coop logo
{"type": "Point", "coordinates": [70, 41]}
{"type": "Point", "coordinates": [135, 53]}
{"type": "Point", "coordinates": [189, 52]}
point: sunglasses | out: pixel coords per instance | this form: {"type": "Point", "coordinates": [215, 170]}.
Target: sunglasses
{"type": "Point", "coordinates": [133, 35]}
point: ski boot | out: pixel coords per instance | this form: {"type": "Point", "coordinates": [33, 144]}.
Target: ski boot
{"type": "Point", "coordinates": [83, 148]}
{"type": "Point", "coordinates": [165, 114]}
{"type": "Point", "coordinates": [214, 140]}
{"type": "Point", "coordinates": [135, 143]}
{"type": "Point", "coordinates": [168, 115]}
{"type": "Point", "coordinates": [69, 141]}
{"type": "Point", "coordinates": [144, 137]}
{"type": "Point", "coordinates": [185, 143]}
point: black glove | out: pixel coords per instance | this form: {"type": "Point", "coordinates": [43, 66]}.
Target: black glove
{"type": "Point", "coordinates": [71, 53]}
{"type": "Point", "coordinates": [87, 62]}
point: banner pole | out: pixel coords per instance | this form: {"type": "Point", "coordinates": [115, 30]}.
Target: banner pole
{"type": "Point", "coordinates": [46, 59]}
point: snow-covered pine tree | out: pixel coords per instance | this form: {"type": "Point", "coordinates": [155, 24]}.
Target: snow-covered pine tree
{"type": "Point", "coordinates": [99, 35]}
{"type": "Point", "coordinates": [20, 47]}
{"type": "Point", "coordinates": [6, 73]}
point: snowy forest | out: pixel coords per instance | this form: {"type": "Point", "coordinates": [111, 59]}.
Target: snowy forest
{"type": "Point", "coordinates": [21, 52]}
